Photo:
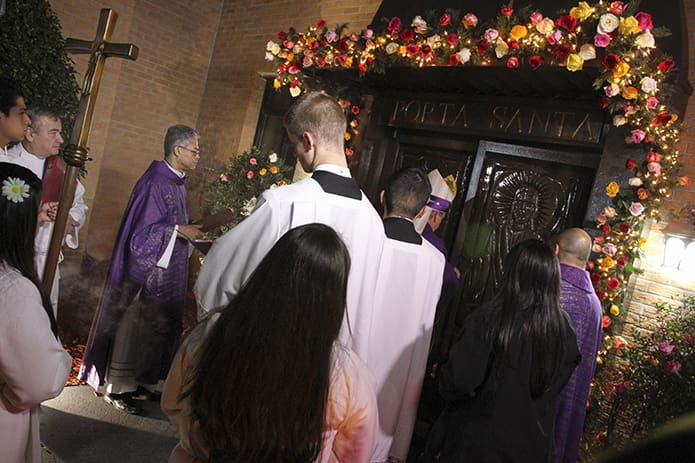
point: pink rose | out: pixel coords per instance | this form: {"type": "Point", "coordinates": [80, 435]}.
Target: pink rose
{"type": "Point", "coordinates": [368, 33]}
{"type": "Point", "coordinates": [617, 7]}
{"type": "Point", "coordinates": [223, 178]}
{"type": "Point", "coordinates": [602, 40]}
{"type": "Point", "coordinates": [619, 342]}
{"type": "Point", "coordinates": [666, 347]}
{"type": "Point", "coordinates": [610, 249]}
{"type": "Point", "coordinates": [253, 161]}
{"type": "Point", "coordinates": [536, 17]}
{"type": "Point", "coordinates": [637, 135]}
{"type": "Point", "coordinates": [554, 37]}
{"type": "Point", "coordinates": [672, 366]}
{"type": "Point", "coordinates": [513, 62]}
{"type": "Point", "coordinates": [654, 167]}
{"type": "Point", "coordinates": [470, 20]}
{"type": "Point", "coordinates": [249, 174]}
{"type": "Point", "coordinates": [491, 35]}
{"type": "Point", "coordinates": [636, 209]}
{"type": "Point", "coordinates": [652, 102]}
{"type": "Point", "coordinates": [644, 21]}
{"type": "Point", "coordinates": [331, 36]}
{"type": "Point", "coordinates": [394, 24]}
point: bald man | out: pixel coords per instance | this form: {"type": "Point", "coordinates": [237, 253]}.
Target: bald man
{"type": "Point", "coordinates": [578, 299]}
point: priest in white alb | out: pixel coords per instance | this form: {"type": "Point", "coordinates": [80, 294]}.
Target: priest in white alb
{"type": "Point", "coordinates": [42, 140]}
{"type": "Point", "coordinates": [408, 287]}
{"type": "Point", "coordinates": [316, 126]}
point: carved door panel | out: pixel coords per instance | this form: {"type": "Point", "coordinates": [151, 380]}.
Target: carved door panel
{"type": "Point", "coordinates": [520, 193]}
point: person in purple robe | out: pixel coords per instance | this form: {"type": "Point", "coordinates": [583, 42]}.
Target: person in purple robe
{"type": "Point", "coordinates": [579, 300]}
{"type": "Point", "coordinates": [137, 325]}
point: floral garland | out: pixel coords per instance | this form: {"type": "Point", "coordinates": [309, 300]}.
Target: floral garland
{"type": "Point", "coordinates": [633, 84]}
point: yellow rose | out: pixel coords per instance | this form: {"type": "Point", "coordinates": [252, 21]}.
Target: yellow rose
{"type": "Point", "coordinates": [347, 136]}
{"type": "Point", "coordinates": [273, 170]}
{"type": "Point", "coordinates": [612, 189]}
{"type": "Point", "coordinates": [402, 50]}
{"type": "Point", "coordinates": [606, 263]}
{"type": "Point", "coordinates": [620, 69]}
{"type": "Point", "coordinates": [581, 11]}
{"type": "Point", "coordinates": [348, 62]}
{"type": "Point", "coordinates": [276, 84]}
{"type": "Point", "coordinates": [629, 26]}
{"type": "Point", "coordinates": [575, 62]}
{"type": "Point", "coordinates": [262, 172]}
{"type": "Point", "coordinates": [518, 32]}
{"type": "Point", "coordinates": [615, 310]}
{"type": "Point", "coordinates": [642, 243]}
{"type": "Point", "coordinates": [630, 93]}
{"type": "Point", "coordinates": [290, 57]}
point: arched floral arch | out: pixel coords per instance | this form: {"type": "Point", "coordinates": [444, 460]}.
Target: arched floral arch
{"type": "Point", "coordinates": [633, 88]}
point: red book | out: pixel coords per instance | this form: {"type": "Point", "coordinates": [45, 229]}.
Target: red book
{"type": "Point", "coordinates": [52, 181]}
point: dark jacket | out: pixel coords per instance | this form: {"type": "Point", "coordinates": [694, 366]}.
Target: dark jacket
{"type": "Point", "coordinates": [490, 414]}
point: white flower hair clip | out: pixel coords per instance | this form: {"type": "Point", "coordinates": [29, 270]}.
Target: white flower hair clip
{"type": "Point", "coordinates": [15, 189]}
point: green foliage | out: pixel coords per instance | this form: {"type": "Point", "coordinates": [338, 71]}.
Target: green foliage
{"type": "Point", "coordinates": [32, 52]}
{"type": "Point", "coordinates": [241, 181]}
{"type": "Point", "coordinates": [648, 382]}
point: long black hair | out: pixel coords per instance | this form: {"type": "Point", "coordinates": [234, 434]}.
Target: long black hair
{"type": "Point", "coordinates": [18, 222]}
{"type": "Point", "coordinates": [261, 385]}
{"type": "Point", "coordinates": [527, 308]}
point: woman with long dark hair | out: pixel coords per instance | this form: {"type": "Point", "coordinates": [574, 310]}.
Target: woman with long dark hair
{"type": "Point", "coordinates": [33, 364]}
{"type": "Point", "coordinates": [266, 381]}
{"type": "Point", "coordinates": [504, 375]}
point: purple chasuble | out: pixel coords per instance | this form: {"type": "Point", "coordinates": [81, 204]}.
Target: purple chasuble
{"type": "Point", "coordinates": [158, 203]}
{"type": "Point", "coordinates": [578, 299]}
{"type": "Point", "coordinates": [449, 283]}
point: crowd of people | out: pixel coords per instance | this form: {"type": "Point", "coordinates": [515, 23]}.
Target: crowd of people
{"type": "Point", "coordinates": [318, 320]}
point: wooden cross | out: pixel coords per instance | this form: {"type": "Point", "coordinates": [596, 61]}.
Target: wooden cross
{"type": "Point", "coordinates": [75, 153]}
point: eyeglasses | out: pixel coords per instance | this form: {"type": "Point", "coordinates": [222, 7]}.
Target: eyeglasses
{"type": "Point", "coordinates": [192, 150]}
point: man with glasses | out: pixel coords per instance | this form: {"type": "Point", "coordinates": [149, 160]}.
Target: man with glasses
{"type": "Point", "coordinates": [136, 328]}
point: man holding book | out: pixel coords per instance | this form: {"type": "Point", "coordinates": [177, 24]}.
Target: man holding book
{"type": "Point", "coordinates": [38, 152]}
{"type": "Point", "coordinates": [137, 325]}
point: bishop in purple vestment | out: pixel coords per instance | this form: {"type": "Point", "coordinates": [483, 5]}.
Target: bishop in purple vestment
{"type": "Point", "coordinates": [137, 325]}
{"type": "Point", "coordinates": [578, 299]}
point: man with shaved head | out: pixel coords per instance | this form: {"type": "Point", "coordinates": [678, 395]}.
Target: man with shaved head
{"type": "Point", "coordinates": [579, 300]}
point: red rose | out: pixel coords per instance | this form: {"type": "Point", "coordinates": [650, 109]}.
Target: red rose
{"type": "Point", "coordinates": [340, 60]}
{"type": "Point", "coordinates": [355, 110]}
{"type": "Point", "coordinates": [426, 49]}
{"type": "Point", "coordinates": [642, 193]}
{"type": "Point", "coordinates": [666, 65]}
{"type": "Point", "coordinates": [606, 321]}
{"type": "Point", "coordinates": [344, 44]}
{"type": "Point", "coordinates": [349, 152]}
{"type": "Point", "coordinates": [630, 164]}
{"type": "Point", "coordinates": [507, 11]}
{"type": "Point", "coordinates": [566, 22]}
{"type": "Point", "coordinates": [482, 46]}
{"type": "Point", "coordinates": [320, 24]}
{"type": "Point", "coordinates": [563, 50]}
{"type": "Point", "coordinates": [605, 102]}
{"type": "Point", "coordinates": [653, 156]}
{"type": "Point", "coordinates": [412, 48]}
{"type": "Point", "coordinates": [662, 118]}
{"type": "Point", "coordinates": [595, 277]}
{"type": "Point", "coordinates": [600, 294]}
{"type": "Point", "coordinates": [621, 261]}
{"type": "Point", "coordinates": [535, 62]}
{"type": "Point", "coordinates": [452, 38]}
{"type": "Point", "coordinates": [445, 19]}
{"type": "Point", "coordinates": [513, 62]}
{"type": "Point", "coordinates": [610, 61]}
{"type": "Point", "coordinates": [625, 228]}
{"type": "Point", "coordinates": [613, 284]}
{"type": "Point", "coordinates": [370, 59]}
{"type": "Point", "coordinates": [590, 265]}
{"type": "Point", "coordinates": [314, 45]}
{"type": "Point", "coordinates": [513, 44]}
{"type": "Point", "coordinates": [362, 67]}
{"type": "Point", "coordinates": [605, 228]}
{"type": "Point", "coordinates": [453, 59]}
{"type": "Point", "coordinates": [282, 36]}
{"type": "Point", "coordinates": [320, 61]}
{"type": "Point", "coordinates": [407, 34]}
{"type": "Point", "coordinates": [394, 24]}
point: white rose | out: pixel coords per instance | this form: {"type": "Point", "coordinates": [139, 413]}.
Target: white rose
{"type": "Point", "coordinates": [419, 24]}
{"type": "Point", "coordinates": [273, 47]}
{"type": "Point", "coordinates": [297, 49]}
{"type": "Point", "coordinates": [645, 40]}
{"type": "Point", "coordinates": [273, 157]}
{"type": "Point", "coordinates": [433, 41]}
{"type": "Point", "coordinates": [648, 85]}
{"type": "Point", "coordinates": [619, 120]}
{"type": "Point", "coordinates": [546, 26]}
{"type": "Point", "coordinates": [635, 181]}
{"type": "Point", "coordinates": [464, 55]}
{"type": "Point", "coordinates": [501, 48]}
{"type": "Point", "coordinates": [295, 91]}
{"type": "Point", "coordinates": [587, 52]}
{"type": "Point", "coordinates": [391, 48]}
{"type": "Point", "coordinates": [269, 56]}
{"type": "Point", "coordinates": [608, 23]}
